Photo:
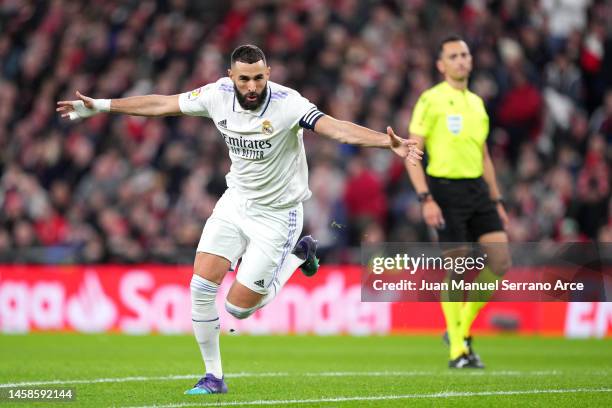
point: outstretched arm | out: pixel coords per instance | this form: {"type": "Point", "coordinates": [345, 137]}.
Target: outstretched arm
{"type": "Point", "coordinates": [350, 133]}
{"type": "Point", "coordinates": [147, 105]}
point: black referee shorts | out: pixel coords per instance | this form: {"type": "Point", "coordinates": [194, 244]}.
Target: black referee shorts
{"type": "Point", "coordinates": [467, 208]}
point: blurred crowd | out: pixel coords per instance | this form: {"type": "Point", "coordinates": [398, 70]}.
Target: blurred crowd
{"type": "Point", "coordinates": [133, 189]}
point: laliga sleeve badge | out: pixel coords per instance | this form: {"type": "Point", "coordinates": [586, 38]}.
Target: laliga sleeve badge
{"type": "Point", "coordinates": [194, 94]}
{"type": "Point", "coordinates": [266, 127]}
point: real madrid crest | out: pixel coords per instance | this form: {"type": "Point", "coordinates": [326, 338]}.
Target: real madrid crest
{"type": "Point", "coordinates": [266, 127]}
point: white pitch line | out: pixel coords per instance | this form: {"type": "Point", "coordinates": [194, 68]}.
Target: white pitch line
{"type": "Point", "coordinates": [96, 381]}
{"type": "Point", "coordinates": [276, 374]}
{"type": "Point", "coordinates": [423, 373]}
{"type": "Point", "coordinates": [135, 379]}
{"type": "Point", "coordinates": [446, 394]}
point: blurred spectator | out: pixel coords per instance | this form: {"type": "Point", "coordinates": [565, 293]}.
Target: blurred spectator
{"type": "Point", "coordinates": [564, 77]}
{"type": "Point", "coordinates": [364, 197]}
{"type": "Point", "coordinates": [601, 121]}
{"type": "Point", "coordinates": [520, 111]}
{"type": "Point", "coordinates": [565, 16]}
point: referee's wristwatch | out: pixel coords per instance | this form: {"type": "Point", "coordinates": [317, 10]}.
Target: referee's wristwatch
{"type": "Point", "coordinates": [423, 197]}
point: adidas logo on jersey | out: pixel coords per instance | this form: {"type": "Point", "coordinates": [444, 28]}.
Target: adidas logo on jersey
{"type": "Point", "coordinates": [222, 123]}
{"type": "Point", "coordinates": [259, 283]}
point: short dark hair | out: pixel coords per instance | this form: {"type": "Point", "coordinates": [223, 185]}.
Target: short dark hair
{"type": "Point", "coordinates": [248, 54]}
{"type": "Point", "coordinates": [447, 39]}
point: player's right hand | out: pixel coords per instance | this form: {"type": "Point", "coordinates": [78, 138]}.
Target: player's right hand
{"type": "Point", "coordinates": [432, 214]}
{"type": "Point", "coordinates": [82, 108]}
{"type": "Point", "coordinates": [405, 148]}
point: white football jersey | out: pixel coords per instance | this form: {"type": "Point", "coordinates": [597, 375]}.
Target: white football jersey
{"type": "Point", "coordinates": [266, 146]}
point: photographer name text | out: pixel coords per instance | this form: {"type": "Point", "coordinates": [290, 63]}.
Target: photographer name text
{"type": "Point", "coordinates": [506, 285]}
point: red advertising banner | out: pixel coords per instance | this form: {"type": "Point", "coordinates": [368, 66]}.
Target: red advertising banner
{"type": "Point", "coordinates": [154, 298]}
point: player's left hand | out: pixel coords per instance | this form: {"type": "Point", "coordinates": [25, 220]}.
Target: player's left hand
{"type": "Point", "coordinates": [405, 148]}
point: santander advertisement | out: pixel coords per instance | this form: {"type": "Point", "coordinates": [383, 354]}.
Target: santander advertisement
{"type": "Point", "coordinates": [156, 299]}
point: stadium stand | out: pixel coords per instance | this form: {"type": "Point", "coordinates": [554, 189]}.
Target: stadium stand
{"type": "Point", "coordinates": [126, 189]}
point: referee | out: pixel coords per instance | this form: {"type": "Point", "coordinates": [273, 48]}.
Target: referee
{"type": "Point", "coordinates": [459, 195]}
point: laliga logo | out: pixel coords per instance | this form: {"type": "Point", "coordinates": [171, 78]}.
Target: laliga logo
{"type": "Point", "coordinates": [90, 310]}
{"type": "Point", "coordinates": [194, 94]}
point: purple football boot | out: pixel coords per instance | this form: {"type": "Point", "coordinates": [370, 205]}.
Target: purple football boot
{"type": "Point", "coordinates": [208, 385]}
{"type": "Point", "coordinates": [306, 249]}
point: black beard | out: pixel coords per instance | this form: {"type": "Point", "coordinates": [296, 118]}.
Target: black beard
{"type": "Point", "coordinates": [251, 105]}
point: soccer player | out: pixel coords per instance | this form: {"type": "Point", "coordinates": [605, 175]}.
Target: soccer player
{"type": "Point", "coordinates": [460, 197]}
{"type": "Point", "coordinates": [259, 217]}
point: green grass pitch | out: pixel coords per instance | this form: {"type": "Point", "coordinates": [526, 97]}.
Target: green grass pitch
{"type": "Point", "coordinates": [308, 371]}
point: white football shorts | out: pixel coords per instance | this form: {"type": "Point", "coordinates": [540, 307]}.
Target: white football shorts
{"type": "Point", "coordinates": [263, 237]}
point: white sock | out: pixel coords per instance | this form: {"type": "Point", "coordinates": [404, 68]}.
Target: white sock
{"type": "Point", "coordinates": [206, 325]}
{"type": "Point", "coordinates": [292, 262]}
